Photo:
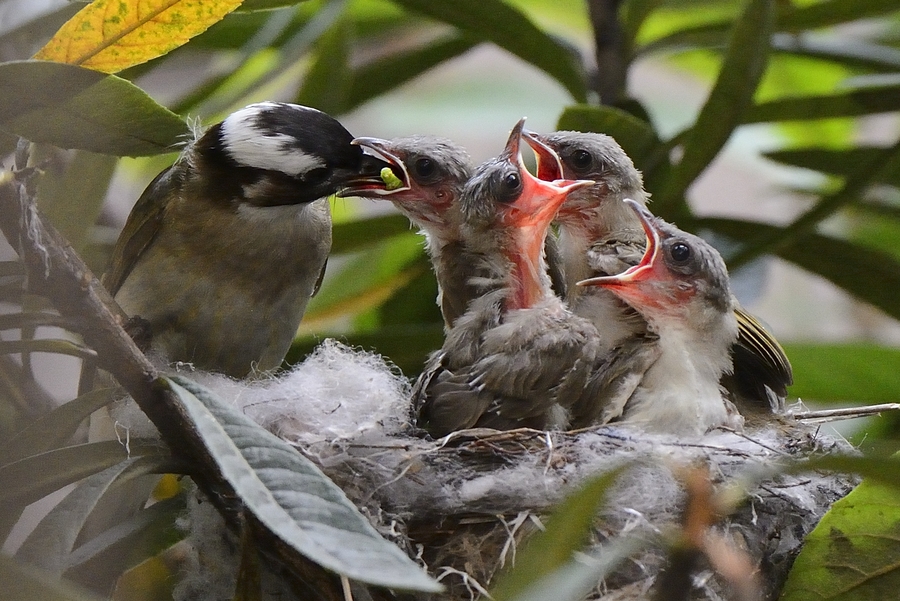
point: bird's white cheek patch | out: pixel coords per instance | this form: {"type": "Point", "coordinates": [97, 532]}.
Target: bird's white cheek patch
{"type": "Point", "coordinates": [248, 145]}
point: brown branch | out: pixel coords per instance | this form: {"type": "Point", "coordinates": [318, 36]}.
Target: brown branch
{"type": "Point", "coordinates": [609, 49]}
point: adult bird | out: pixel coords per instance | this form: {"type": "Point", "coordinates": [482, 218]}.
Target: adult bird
{"type": "Point", "coordinates": [430, 174]}
{"type": "Point", "coordinates": [517, 355]}
{"type": "Point", "coordinates": [681, 288]}
{"type": "Point", "coordinates": [600, 235]}
{"type": "Point", "coordinates": [224, 249]}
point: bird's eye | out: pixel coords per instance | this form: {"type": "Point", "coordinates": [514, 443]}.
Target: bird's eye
{"type": "Point", "coordinates": [581, 160]}
{"type": "Point", "coordinates": [680, 252]}
{"type": "Point", "coordinates": [314, 176]}
{"type": "Point", "coordinates": [424, 167]}
{"type": "Point", "coordinates": [510, 187]}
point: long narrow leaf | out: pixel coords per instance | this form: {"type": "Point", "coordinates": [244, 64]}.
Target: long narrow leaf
{"type": "Point", "coordinates": [853, 103]}
{"type": "Point", "coordinates": [869, 275]}
{"type": "Point", "coordinates": [506, 26]}
{"type": "Point", "coordinates": [849, 53]}
{"type": "Point", "coordinates": [567, 532]}
{"type": "Point", "coordinates": [292, 498]}
{"type": "Point", "coordinates": [378, 77]}
{"type": "Point", "coordinates": [49, 544]}
{"type": "Point", "coordinates": [128, 544]}
{"type": "Point", "coordinates": [351, 236]}
{"type": "Point", "coordinates": [861, 177]}
{"type": "Point", "coordinates": [327, 80]}
{"type": "Point", "coordinates": [745, 61]}
{"type": "Point", "coordinates": [51, 430]}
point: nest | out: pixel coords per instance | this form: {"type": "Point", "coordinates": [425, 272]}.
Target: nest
{"type": "Point", "coordinates": [463, 505]}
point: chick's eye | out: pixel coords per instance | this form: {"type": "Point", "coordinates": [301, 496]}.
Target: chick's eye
{"type": "Point", "coordinates": [680, 252]}
{"type": "Point", "coordinates": [581, 160]}
{"type": "Point", "coordinates": [510, 187]}
{"type": "Point", "coordinates": [424, 167]}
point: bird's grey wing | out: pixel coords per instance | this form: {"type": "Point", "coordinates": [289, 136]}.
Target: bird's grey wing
{"type": "Point", "coordinates": [759, 363]}
{"type": "Point", "coordinates": [140, 230]}
{"type": "Point", "coordinates": [615, 253]}
{"type": "Point", "coordinates": [531, 358]}
{"type": "Point", "coordinates": [613, 382]}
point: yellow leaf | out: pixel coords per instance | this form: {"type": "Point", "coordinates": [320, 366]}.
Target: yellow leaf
{"type": "Point", "coordinates": [111, 35]}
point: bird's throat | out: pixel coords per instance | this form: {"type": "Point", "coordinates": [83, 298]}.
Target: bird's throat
{"type": "Point", "coordinates": [528, 283]}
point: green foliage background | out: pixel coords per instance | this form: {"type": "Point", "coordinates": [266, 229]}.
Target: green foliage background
{"type": "Point", "coordinates": [813, 72]}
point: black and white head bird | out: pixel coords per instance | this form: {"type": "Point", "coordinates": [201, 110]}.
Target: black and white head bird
{"type": "Point", "coordinates": [517, 355]}
{"type": "Point", "coordinates": [427, 175]}
{"type": "Point", "coordinates": [600, 235]}
{"type": "Point", "coordinates": [681, 288]}
{"type": "Point", "coordinates": [224, 249]}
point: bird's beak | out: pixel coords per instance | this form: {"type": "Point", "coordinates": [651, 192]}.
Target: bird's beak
{"type": "Point", "coordinates": [387, 176]}
{"type": "Point", "coordinates": [549, 165]}
{"type": "Point", "coordinates": [540, 199]}
{"type": "Point", "coordinates": [649, 266]}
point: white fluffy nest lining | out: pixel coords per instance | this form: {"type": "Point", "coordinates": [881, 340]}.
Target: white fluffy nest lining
{"type": "Point", "coordinates": [462, 505]}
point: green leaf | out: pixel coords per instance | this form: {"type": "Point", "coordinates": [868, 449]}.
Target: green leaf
{"type": "Point", "coordinates": [327, 80]}
{"type": "Point", "coordinates": [350, 236]}
{"type": "Point", "coordinates": [841, 50]}
{"type": "Point", "coordinates": [27, 480]}
{"type": "Point", "coordinates": [24, 583]}
{"type": "Point", "coordinates": [847, 372]}
{"type": "Point", "coordinates": [567, 531]}
{"type": "Point", "coordinates": [574, 580]}
{"type": "Point", "coordinates": [49, 544]}
{"type": "Point", "coordinates": [637, 138]}
{"type": "Point", "coordinates": [127, 544]}
{"type": "Point", "coordinates": [292, 498]}
{"type": "Point", "coordinates": [72, 200]}
{"type": "Point", "coordinates": [870, 275]}
{"type": "Point", "coordinates": [389, 73]}
{"type": "Point", "coordinates": [73, 107]}
{"type": "Point", "coordinates": [54, 428]}
{"type": "Point", "coordinates": [859, 179]}
{"type": "Point", "coordinates": [745, 62]}
{"type": "Point", "coordinates": [507, 27]}
{"type": "Point", "coordinates": [852, 103]}
{"type": "Point", "coordinates": [854, 552]}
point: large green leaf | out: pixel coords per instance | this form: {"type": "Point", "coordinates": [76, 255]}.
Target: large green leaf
{"type": "Point", "coordinates": [566, 533]}
{"type": "Point", "coordinates": [73, 107]}
{"type": "Point", "coordinates": [356, 235]}
{"type": "Point", "coordinates": [854, 552]}
{"type": "Point", "coordinates": [327, 80]}
{"type": "Point", "coordinates": [506, 26]}
{"type": "Point", "coordinates": [745, 61]}
{"type": "Point", "coordinates": [291, 498]}
{"type": "Point", "coordinates": [852, 103]}
{"type": "Point", "coordinates": [857, 373]}
{"type": "Point", "coordinates": [24, 583]}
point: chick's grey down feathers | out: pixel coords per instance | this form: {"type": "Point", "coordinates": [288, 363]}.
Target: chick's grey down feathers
{"type": "Point", "coordinates": [504, 362]}
{"type": "Point", "coordinates": [223, 250]}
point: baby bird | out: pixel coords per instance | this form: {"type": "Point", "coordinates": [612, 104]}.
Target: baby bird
{"type": "Point", "coordinates": [681, 288]}
{"type": "Point", "coordinates": [431, 172]}
{"type": "Point", "coordinates": [517, 355]}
